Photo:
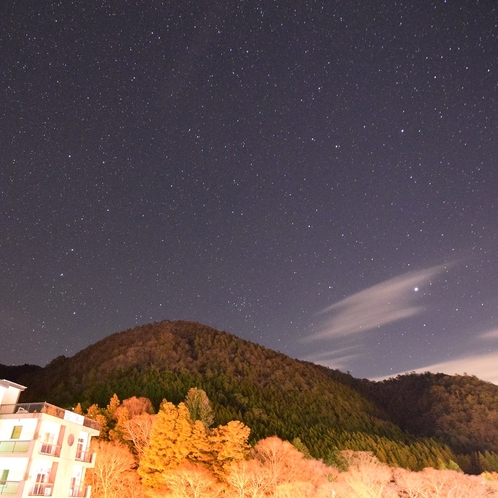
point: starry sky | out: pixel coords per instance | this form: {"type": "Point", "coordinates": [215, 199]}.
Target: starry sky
{"type": "Point", "coordinates": [318, 177]}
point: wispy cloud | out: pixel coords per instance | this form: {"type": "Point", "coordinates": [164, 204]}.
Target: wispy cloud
{"type": "Point", "coordinates": [490, 334]}
{"type": "Point", "coordinates": [480, 365]}
{"type": "Point", "coordinates": [332, 359]}
{"type": "Point", "coordinates": [387, 302]}
{"type": "Point", "coordinates": [336, 358]}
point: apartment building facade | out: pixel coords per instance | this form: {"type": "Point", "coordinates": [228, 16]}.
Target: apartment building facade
{"type": "Point", "coordinates": [44, 449]}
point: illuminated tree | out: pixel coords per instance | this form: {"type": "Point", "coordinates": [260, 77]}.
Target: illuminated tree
{"type": "Point", "coordinates": [97, 414]}
{"type": "Point", "coordinates": [114, 473]}
{"type": "Point", "coordinates": [191, 481]}
{"type": "Point", "coordinates": [111, 408]}
{"type": "Point", "coordinates": [118, 433]}
{"type": "Point", "coordinates": [133, 425]}
{"type": "Point", "coordinates": [366, 476]}
{"type": "Point", "coordinates": [174, 439]}
{"type": "Point", "coordinates": [229, 445]}
{"type": "Point", "coordinates": [201, 448]}
{"type": "Point", "coordinates": [278, 458]}
{"type": "Point", "coordinates": [138, 430]}
{"type": "Point", "coordinates": [246, 479]}
{"type": "Point", "coordinates": [431, 483]}
{"type": "Point", "coordinates": [137, 406]}
{"type": "Point", "coordinates": [78, 409]}
{"type": "Point", "coordinates": [287, 473]}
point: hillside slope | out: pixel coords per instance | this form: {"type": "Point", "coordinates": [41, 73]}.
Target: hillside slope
{"type": "Point", "coordinates": [461, 410]}
{"type": "Point", "coordinates": [270, 392]}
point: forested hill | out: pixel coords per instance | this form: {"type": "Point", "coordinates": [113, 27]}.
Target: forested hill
{"type": "Point", "coordinates": [460, 409]}
{"type": "Point", "coordinates": [276, 395]}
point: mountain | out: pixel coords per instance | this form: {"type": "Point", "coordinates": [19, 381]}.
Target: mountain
{"type": "Point", "coordinates": [407, 421]}
{"type": "Point", "coordinates": [15, 372]}
{"type": "Point", "coordinates": [460, 409]}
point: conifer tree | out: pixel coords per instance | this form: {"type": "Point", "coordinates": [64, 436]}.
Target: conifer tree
{"type": "Point", "coordinates": [199, 406]}
{"type": "Point", "coordinates": [175, 439]}
{"type": "Point", "coordinates": [159, 455]}
{"type": "Point", "coordinates": [229, 445]}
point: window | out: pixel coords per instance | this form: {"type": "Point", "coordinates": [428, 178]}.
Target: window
{"type": "Point", "coordinates": [16, 432]}
{"type": "Point", "coordinates": [4, 475]}
{"type": "Point", "coordinates": [39, 487]}
{"type": "Point", "coordinates": [47, 447]}
{"type": "Point", "coordinates": [79, 449]}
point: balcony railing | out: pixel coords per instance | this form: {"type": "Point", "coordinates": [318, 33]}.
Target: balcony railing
{"type": "Point", "coordinates": [14, 446]}
{"type": "Point", "coordinates": [9, 487]}
{"type": "Point", "coordinates": [79, 491]}
{"type": "Point", "coordinates": [41, 489]}
{"type": "Point", "coordinates": [84, 456]}
{"type": "Point", "coordinates": [50, 449]}
{"type": "Point", "coordinates": [44, 407]}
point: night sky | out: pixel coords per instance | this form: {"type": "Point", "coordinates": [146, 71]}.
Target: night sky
{"type": "Point", "coordinates": [318, 177]}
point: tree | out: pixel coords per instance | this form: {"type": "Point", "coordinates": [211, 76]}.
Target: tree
{"type": "Point", "coordinates": [247, 479]}
{"type": "Point", "coordinates": [137, 406]}
{"type": "Point", "coordinates": [78, 409]}
{"type": "Point", "coordinates": [199, 407]}
{"type": "Point", "coordinates": [366, 476]}
{"type": "Point", "coordinates": [174, 439]}
{"type": "Point", "coordinates": [133, 423]}
{"type": "Point", "coordinates": [111, 408]}
{"type": "Point", "coordinates": [114, 473]}
{"type": "Point", "coordinates": [301, 447]}
{"type": "Point", "coordinates": [138, 430]}
{"type": "Point", "coordinates": [229, 444]}
{"type": "Point", "coordinates": [287, 472]}
{"type": "Point", "coordinates": [97, 414]}
{"type": "Point", "coordinates": [191, 481]}
{"type": "Point", "coordinates": [431, 483]}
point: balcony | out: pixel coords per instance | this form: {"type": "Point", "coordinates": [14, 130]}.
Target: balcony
{"type": "Point", "coordinates": [50, 449]}
{"type": "Point", "coordinates": [41, 489]}
{"type": "Point", "coordinates": [14, 446]}
{"type": "Point", "coordinates": [9, 487]}
{"type": "Point", "coordinates": [44, 407]}
{"type": "Point", "coordinates": [85, 456]}
{"type": "Point", "coordinates": [79, 491]}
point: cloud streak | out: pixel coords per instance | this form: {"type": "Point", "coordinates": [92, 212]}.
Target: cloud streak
{"type": "Point", "coordinates": [490, 334]}
{"type": "Point", "coordinates": [387, 302]}
{"type": "Point", "coordinates": [480, 365]}
{"type": "Point", "coordinates": [337, 358]}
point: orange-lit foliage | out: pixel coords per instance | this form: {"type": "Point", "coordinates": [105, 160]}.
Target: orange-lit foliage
{"type": "Point", "coordinates": [366, 477]}
{"type": "Point", "coordinates": [191, 481]}
{"type": "Point", "coordinates": [114, 473]}
{"type": "Point", "coordinates": [96, 414]}
{"type": "Point", "coordinates": [170, 444]}
{"type": "Point", "coordinates": [78, 409]}
{"type": "Point", "coordinates": [133, 423]}
{"type": "Point", "coordinates": [137, 406]}
{"type": "Point", "coordinates": [431, 483]}
{"type": "Point", "coordinates": [285, 471]}
{"type": "Point", "coordinates": [176, 440]}
{"type": "Point", "coordinates": [112, 407]}
{"type": "Point", "coordinates": [228, 444]}
{"type": "Point", "coordinates": [246, 479]}
{"type": "Point", "coordinates": [138, 430]}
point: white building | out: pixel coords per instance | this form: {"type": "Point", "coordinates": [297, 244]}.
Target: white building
{"type": "Point", "coordinates": [44, 450]}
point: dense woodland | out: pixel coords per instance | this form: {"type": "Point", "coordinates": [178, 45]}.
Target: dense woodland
{"type": "Point", "coordinates": [177, 453]}
{"type": "Point", "coordinates": [412, 421]}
